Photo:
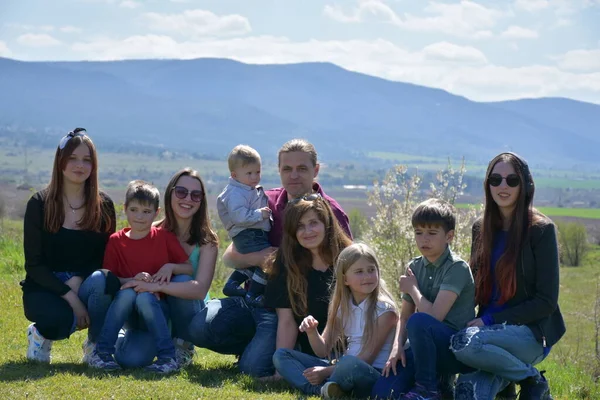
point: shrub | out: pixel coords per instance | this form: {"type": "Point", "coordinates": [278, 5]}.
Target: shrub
{"type": "Point", "coordinates": [573, 241]}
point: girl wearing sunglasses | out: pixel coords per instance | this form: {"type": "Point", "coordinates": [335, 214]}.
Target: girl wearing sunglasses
{"type": "Point", "coordinates": [186, 215]}
{"type": "Point", "coordinates": [66, 229]}
{"type": "Point", "coordinates": [514, 258]}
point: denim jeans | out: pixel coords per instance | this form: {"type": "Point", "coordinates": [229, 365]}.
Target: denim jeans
{"type": "Point", "coordinates": [91, 293]}
{"type": "Point", "coordinates": [428, 357]}
{"type": "Point", "coordinates": [182, 311]}
{"type": "Point", "coordinates": [231, 326]}
{"type": "Point", "coordinates": [501, 353]}
{"type": "Point", "coordinates": [291, 364]}
{"type": "Point", "coordinates": [251, 240]}
{"type": "Point", "coordinates": [137, 308]}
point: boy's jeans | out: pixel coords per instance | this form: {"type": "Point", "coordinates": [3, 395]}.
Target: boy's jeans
{"type": "Point", "coordinates": [428, 356]}
{"type": "Point", "coordinates": [152, 312]}
{"type": "Point", "coordinates": [502, 354]}
{"type": "Point", "coordinates": [231, 326]}
{"type": "Point", "coordinates": [92, 294]}
{"type": "Point", "coordinates": [351, 373]}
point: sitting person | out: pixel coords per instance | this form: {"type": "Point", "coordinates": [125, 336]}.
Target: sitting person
{"type": "Point", "coordinates": [137, 253]}
{"type": "Point", "coordinates": [243, 210]}
{"type": "Point", "coordinates": [361, 312]}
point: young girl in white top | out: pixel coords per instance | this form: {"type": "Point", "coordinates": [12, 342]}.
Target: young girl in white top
{"type": "Point", "coordinates": [361, 314]}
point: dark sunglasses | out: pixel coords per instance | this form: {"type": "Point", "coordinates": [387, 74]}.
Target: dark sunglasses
{"type": "Point", "coordinates": [68, 136]}
{"type": "Point", "coordinates": [309, 197]}
{"type": "Point", "coordinates": [512, 180]}
{"type": "Point", "coordinates": [182, 192]}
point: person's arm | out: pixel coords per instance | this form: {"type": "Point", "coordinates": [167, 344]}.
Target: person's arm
{"type": "Point", "coordinates": [234, 259]}
{"type": "Point", "coordinates": [316, 340]}
{"type": "Point", "coordinates": [35, 260]}
{"type": "Point", "coordinates": [400, 337]}
{"type": "Point", "coordinates": [544, 300]}
{"type": "Point", "coordinates": [239, 212]}
{"type": "Point", "coordinates": [385, 323]}
{"type": "Point", "coordinates": [287, 333]}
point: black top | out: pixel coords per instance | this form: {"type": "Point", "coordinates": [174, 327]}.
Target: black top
{"type": "Point", "coordinates": [71, 250]}
{"type": "Point", "coordinates": [318, 288]}
{"type": "Point", "coordinates": [535, 302]}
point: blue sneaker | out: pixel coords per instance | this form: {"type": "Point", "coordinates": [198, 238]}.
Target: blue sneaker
{"type": "Point", "coordinates": [420, 393]}
{"type": "Point", "coordinates": [163, 366]}
{"type": "Point", "coordinates": [103, 361]}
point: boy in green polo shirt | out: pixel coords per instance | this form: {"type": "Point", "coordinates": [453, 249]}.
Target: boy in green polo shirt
{"type": "Point", "coordinates": [438, 300]}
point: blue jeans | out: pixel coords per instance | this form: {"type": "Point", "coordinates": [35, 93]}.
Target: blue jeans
{"type": "Point", "coordinates": [182, 311]}
{"type": "Point", "coordinates": [351, 373]}
{"type": "Point", "coordinates": [91, 293]}
{"type": "Point", "coordinates": [150, 311]}
{"type": "Point", "coordinates": [231, 326]}
{"type": "Point", "coordinates": [251, 240]}
{"type": "Point", "coordinates": [429, 356]}
{"type": "Point", "coordinates": [501, 353]}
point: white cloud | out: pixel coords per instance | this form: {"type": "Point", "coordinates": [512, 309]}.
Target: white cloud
{"type": "Point", "coordinates": [4, 50]}
{"type": "Point", "coordinates": [70, 29]}
{"type": "Point", "coordinates": [198, 23]}
{"type": "Point", "coordinates": [130, 4]}
{"type": "Point", "coordinates": [517, 32]}
{"type": "Point", "coordinates": [444, 51]}
{"type": "Point", "coordinates": [461, 70]}
{"type": "Point", "coordinates": [580, 60]}
{"type": "Point", "coordinates": [532, 5]}
{"type": "Point", "coordinates": [464, 19]}
{"type": "Point", "coordinates": [38, 40]}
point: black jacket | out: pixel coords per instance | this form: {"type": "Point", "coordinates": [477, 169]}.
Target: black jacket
{"type": "Point", "coordinates": [535, 302]}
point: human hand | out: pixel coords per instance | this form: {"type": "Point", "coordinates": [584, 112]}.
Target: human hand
{"type": "Point", "coordinates": [316, 375]}
{"type": "Point", "coordinates": [266, 212]}
{"type": "Point", "coordinates": [81, 315]}
{"type": "Point", "coordinates": [143, 276]}
{"type": "Point", "coordinates": [271, 378]}
{"type": "Point", "coordinates": [408, 282]}
{"type": "Point", "coordinates": [396, 354]}
{"type": "Point", "coordinates": [476, 322]}
{"type": "Point", "coordinates": [164, 274]}
{"type": "Point", "coordinates": [309, 324]}
{"type": "Point", "coordinates": [142, 286]}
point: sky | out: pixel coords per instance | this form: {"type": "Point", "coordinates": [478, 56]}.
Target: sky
{"type": "Point", "coordinates": [484, 50]}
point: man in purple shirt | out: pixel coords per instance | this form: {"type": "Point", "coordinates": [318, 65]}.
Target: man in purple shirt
{"type": "Point", "coordinates": [230, 325]}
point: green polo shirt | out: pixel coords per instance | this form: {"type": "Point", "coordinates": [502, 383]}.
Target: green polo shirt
{"type": "Point", "coordinates": [449, 272]}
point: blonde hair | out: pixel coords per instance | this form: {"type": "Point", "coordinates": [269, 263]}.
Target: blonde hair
{"type": "Point", "coordinates": [339, 305]}
{"type": "Point", "coordinates": [242, 155]}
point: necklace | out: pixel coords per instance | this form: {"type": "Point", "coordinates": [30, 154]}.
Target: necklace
{"type": "Point", "coordinates": [73, 209]}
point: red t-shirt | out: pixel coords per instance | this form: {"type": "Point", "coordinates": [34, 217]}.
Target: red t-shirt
{"type": "Point", "coordinates": [127, 257]}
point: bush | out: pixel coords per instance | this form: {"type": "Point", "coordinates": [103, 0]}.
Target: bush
{"type": "Point", "coordinates": [358, 223]}
{"type": "Point", "coordinates": [391, 233]}
{"type": "Point", "coordinates": [573, 242]}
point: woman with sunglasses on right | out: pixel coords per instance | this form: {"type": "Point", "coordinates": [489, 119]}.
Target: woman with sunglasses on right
{"type": "Point", "coordinates": [514, 258]}
{"type": "Point", "coordinates": [186, 215]}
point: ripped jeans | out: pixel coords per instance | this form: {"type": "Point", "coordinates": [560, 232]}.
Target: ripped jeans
{"type": "Point", "coordinates": [501, 353]}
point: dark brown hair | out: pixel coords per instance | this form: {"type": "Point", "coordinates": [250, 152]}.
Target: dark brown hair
{"type": "Point", "coordinates": [94, 214]}
{"type": "Point", "coordinates": [201, 231]}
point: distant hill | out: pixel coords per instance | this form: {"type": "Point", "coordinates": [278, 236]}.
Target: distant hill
{"type": "Point", "coordinates": [209, 105]}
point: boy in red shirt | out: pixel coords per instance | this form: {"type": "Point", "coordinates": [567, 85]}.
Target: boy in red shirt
{"type": "Point", "coordinates": [140, 252]}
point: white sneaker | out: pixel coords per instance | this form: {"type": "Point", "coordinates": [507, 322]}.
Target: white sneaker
{"type": "Point", "coordinates": [39, 347]}
{"type": "Point", "coordinates": [331, 390]}
{"type": "Point", "coordinates": [88, 348]}
{"type": "Point", "coordinates": [184, 352]}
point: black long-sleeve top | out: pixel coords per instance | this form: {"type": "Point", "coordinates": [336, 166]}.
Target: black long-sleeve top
{"type": "Point", "coordinates": [77, 251]}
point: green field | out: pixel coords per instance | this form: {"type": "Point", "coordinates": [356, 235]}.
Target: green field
{"type": "Point", "coordinates": [590, 213]}
{"type": "Point", "coordinates": [570, 366]}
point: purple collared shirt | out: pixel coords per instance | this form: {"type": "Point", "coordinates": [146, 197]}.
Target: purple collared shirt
{"type": "Point", "coordinates": [278, 199]}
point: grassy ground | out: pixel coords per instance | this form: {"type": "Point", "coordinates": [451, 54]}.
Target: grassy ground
{"type": "Point", "coordinates": [571, 364]}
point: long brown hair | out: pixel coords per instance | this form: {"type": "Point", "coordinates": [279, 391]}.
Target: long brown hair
{"type": "Point", "coordinates": [339, 306]}
{"type": "Point", "coordinates": [299, 260]}
{"type": "Point", "coordinates": [95, 214]}
{"type": "Point", "coordinates": [201, 231]}
{"type": "Point", "coordinates": [524, 215]}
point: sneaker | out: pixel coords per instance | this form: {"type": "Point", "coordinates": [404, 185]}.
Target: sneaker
{"type": "Point", "coordinates": [184, 352]}
{"type": "Point", "coordinates": [331, 390]}
{"type": "Point", "coordinates": [233, 289]}
{"type": "Point", "coordinates": [508, 393]}
{"type": "Point", "coordinates": [39, 347]}
{"type": "Point", "coordinates": [535, 388]}
{"type": "Point", "coordinates": [163, 366]}
{"type": "Point", "coordinates": [257, 302]}
{"type": "Point", "coordinates": [88, 348]}
{"type": "Point", "coordinates": [420, 393]}
{"type": "Point", "coordinates": [103, 361]}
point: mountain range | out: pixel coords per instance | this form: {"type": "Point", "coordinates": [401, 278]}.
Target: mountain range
{"type": "Point", "coordinates": [210, 105]}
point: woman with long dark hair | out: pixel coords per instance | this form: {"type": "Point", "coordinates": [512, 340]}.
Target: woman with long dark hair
{"type": "Point", "coordinates": [515, 264]}
{"type": "Point", "coordinates": [66, 229]}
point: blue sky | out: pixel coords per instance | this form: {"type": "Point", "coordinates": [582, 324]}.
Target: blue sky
{"type": "Point", "coordinates": [485, 50]}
